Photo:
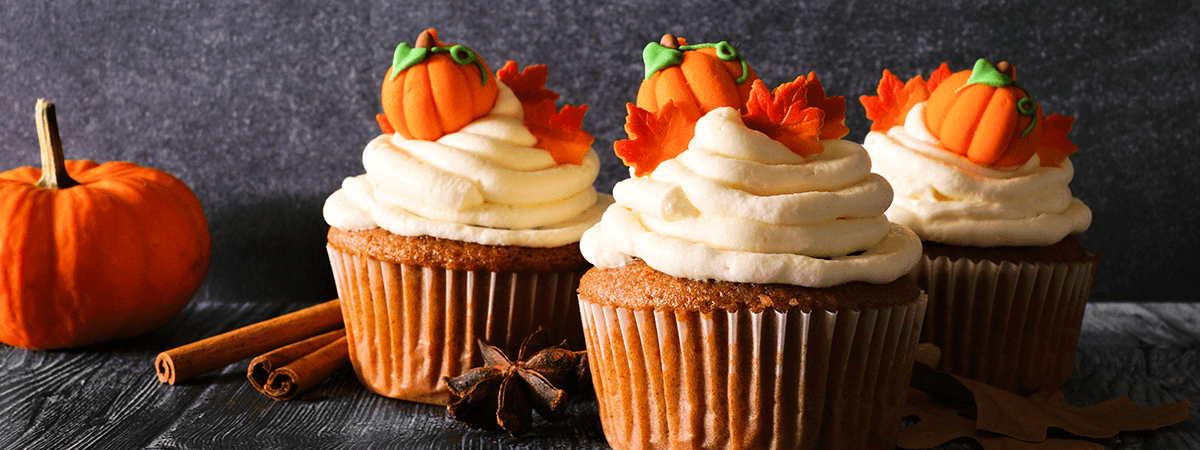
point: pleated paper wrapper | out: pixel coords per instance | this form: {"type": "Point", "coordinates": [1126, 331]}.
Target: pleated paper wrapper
{"type": "Point", "coordinates": [408, 326]}
{"type": "Point", "coordinates": [1014, 326]}
{"type": "Point", "coordinates": [746, 380]}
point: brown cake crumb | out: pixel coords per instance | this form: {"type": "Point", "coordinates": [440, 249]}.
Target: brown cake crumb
{"type": "Point", "coordinates": [429, 251]}
{"type": "Point", "coordinates": [636, 285]}
{"type": "Point", "coordinates": [1067, 250]}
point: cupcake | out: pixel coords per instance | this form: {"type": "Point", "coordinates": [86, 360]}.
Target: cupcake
{"type": "Point", "coordinates": [748, 291]}
{"type": "Point", "coordinates": [466, 224]}
{"type": "Point", "coordinates": [982, 177]}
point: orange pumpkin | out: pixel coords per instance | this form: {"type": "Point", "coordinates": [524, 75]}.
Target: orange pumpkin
{"type": "Point", "coordinates": [433, 89]}
{"type": "Point", "coordinates": [698, 78]}
{"type": "Point", "coordinates": [983, 115]}
{"type": "Point", "coordinates": [94, 252]}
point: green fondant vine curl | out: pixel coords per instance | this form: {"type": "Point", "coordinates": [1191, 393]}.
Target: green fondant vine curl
{"type": "Point", "coordinates": [407, 56]}
{"type": "Point", "coordinates": [657, 57]}
{"type": "Point", "coordinates": [987, 74]}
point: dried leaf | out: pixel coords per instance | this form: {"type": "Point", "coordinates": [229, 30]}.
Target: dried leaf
{"type": "Point", "coordinates": [1010, 421]}
{"type": "Point", "coordinates": [653, 137]}
{"type": "Point", "coordinates": [1029, 418]}
{"type": "Point", "coordinates": [941, 424]}
{"type": "Point", "coordinates": [1055, 146]}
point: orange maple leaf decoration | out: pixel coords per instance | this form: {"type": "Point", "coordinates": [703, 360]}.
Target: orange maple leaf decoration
{"type": "Point", "coordinates": [559, 132]}
{"type": "Point", "coordinates": [653, 137]}
{"type": "Point", "coordinates": [896, 99]}
{"type": "Point", "coordinates": [1056, 147]}
{"type": "Point", "coordinates": [797, 114]}
{"type": "Point", "coordinates": [529, 83]}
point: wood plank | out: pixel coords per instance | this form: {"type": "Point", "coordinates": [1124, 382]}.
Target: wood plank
{"type": "Point", "coordinates": [108, 397]}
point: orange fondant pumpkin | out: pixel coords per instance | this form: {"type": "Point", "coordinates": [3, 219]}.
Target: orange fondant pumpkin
{"type": "Point", "coordinates": [433, 89]}
{"type": "Point", "coordinates": [697, 78]}
{"type": "Point", "coordinates": [983, 115]}
{"type": "Point", "coordinates": [109, 251]}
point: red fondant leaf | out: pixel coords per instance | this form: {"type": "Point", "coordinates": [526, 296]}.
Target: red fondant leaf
{"type": "Point", "coordinates": [884, 108]}
{"type": "Point", "coordinates": [529, 84]}
{"type": "Point", "coordinates": [384, 124]}
{"type": "Point", "coordinates": [834, 109]}
{"type": "Point", "coordinates": [653, 137]}
{"type": "Point", "coordinates": [785, 115]}
{"type": "Point", "coordinates": [559, 132]}
{"type": "Point", "coordinates": [1055, 146]}
{"type": "Point", "coordinates": [895, 100]}
{"type": "Point", "coordinates": [938, 76]}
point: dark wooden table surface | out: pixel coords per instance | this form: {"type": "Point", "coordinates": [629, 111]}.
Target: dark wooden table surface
{"type": "Point", "coordinates": [108, 396]}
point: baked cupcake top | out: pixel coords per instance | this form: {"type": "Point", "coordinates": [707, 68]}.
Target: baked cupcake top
{"type": "Point", "coordinates": [770, 194]}
{"type": "Point", "coordinates": [972, 159]}
{"type": "Point", "coordinates": [471, 155]}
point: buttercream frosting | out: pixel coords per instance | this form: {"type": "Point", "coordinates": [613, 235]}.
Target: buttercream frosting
{"type": "Point", "coordinates": [484, 183]}
{"type": "Point", "coordinates": [738, 206]}
{"type": "Point", "coordinates": [946, 198]}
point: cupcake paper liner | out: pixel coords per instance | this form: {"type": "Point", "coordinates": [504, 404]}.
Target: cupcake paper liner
{"type": "Point", "coordinates": [409, 326]}
{"type": "Point", "coordinates": [1014, 326]}
{"type": "Point", "coordinates": [747, 380]}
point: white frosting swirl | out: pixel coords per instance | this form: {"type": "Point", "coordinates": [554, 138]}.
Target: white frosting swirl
{"type": "Point", "coordinates": [484, 183]}
{"type": "Point", "coordinates": [946, 198]}
{"type": "Point", "coordinates": [738, 206]}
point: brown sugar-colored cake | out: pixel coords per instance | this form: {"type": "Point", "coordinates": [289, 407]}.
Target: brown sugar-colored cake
{"type": "Point", "coordinates": [748, 292]}
{"type": "Point", "coordinates": [444, 295]}
{"type": "Point", "coordinates": [465, 226]}
{"type": "Point", "coordinates": [988, 194]}
{"type": "Point", "coordinates": [683, 363]}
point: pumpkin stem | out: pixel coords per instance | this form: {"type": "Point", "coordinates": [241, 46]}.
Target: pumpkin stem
{"type": "Point", "coordinates": [54, 169]}
{"type": "Point", "coordinates": [425, 40]}
{"type": "Point", "coordinates": [669, 41]}
{"type": "Point", "coordinates": [1005, 68]}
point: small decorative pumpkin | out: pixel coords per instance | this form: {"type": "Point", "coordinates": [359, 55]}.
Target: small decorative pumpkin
{"type": "Point", "coordinates": [697, 78]}
{"type": "Point", "coordinates": [984, 115]}
{"type": "Point", "coordinates": [94, 252]}
{"type": "Point", "coordinates": [433, 89]}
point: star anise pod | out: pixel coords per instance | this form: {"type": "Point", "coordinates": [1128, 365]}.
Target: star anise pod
{"type": "Point", "coordinates": [501, 393]}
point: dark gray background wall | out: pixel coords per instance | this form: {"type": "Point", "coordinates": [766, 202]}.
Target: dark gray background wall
{"type": "Point", "coordinates": [264, 107]}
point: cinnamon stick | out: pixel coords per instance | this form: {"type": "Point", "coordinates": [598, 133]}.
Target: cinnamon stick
{"type": "Point", "coordinates": [262, 367]}
{"type": "Point", "coordinates": [300, 375]}
{"type": "Point", "coordinates": [182, 363]}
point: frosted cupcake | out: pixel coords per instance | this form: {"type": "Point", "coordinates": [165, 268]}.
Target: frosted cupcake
{"type": "Point", "coordinates": [982, 177]}
{"type": "Point", "coordinates": [748, 290]}
{"type": "Point", "coordinates": [465, 225]}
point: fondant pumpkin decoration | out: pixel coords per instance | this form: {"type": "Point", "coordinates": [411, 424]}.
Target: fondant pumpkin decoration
{"type": "Point", "coordinates": [697, 78]}
{"type": "Point", "coordinates": [433, 89]}
{"type": "Point", "coordinates": [984, 115]}
{"type": "Point", "coordinates": [981, 114]}
{"type": "Point", "coordinates": [93, 252]}
{"type": "Point", "coordinates": [797, 114]}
